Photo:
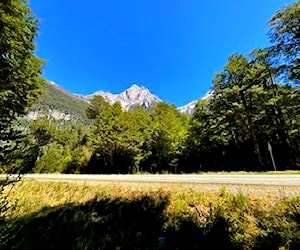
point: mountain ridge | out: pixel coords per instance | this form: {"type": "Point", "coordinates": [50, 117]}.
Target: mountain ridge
{"type": "Point", "coordinates": [133, 96]}
{"type": "Point", "coordinates": [189, 108]}
{"type": "Point", "coordinates": [112, 98]}
{"type": "Point", "coordinates": [59, 104]}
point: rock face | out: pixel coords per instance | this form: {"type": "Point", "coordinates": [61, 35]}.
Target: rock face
{"type": "Point", "coordinates": [52, 114]}
{"type": "Point", "coordinates": [130, 98]}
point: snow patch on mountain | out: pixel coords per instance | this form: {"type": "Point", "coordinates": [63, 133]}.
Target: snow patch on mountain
{"type": "Point", "coordinates": [189, 108]}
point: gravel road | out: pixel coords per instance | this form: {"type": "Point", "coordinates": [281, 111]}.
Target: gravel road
{"type": "Point", "coordinates": [247, 179]}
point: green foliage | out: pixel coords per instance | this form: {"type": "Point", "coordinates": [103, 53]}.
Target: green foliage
{"type": "Point", "coordinates": [20, 69]}
{"type": "Point", "coordinates": [20, 84]}
{"type": "Point", "coordinates": [249, 110]}
{"type": "Point", "coordinates": [136, 140]}
{"type": "Point", "coordinates": [285, 36]}
{"type": "Point", "coordinates": [162, 149]}
{"type": "Point", "coordinates": [18, 154]}
{"type": "Point", "coordinates": [110, 152]}
{"type": "Point", "coordinates": [61, 149]}
{"type": "Point", "coordinates": [246, 112]}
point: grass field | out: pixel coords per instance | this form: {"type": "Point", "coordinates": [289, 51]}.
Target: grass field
{"type": "Point", "coordinates": [83, 215]}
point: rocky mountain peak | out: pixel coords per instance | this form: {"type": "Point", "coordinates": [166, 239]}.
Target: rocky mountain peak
{"type": "Point", "coordinates": [134, 86]}
{"type": "Point", "coordinates": [135, 93]}
{"type": "Point", "coordinates": [131, 97]}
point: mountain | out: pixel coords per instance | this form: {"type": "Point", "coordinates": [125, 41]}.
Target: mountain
{"type": "Point", "coordinates": [130, 98]}
{"type": "Point", "coordinates": [189, 108]}
{"type": "Point", "coordinates": [59, 104]}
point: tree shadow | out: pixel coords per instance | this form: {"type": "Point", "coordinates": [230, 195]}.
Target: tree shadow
{"type": "Point", "coordinates": [139, 222]}
{"type": "Point", "coordinates": [101, 223]}
{"type": "Point", "coordinates": [115, 223]}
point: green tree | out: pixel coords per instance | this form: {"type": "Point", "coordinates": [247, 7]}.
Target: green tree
{"type": "Point", "coordinates": [63, 149]}
{"type": "Point", "coordinates": [239, 95]}
{"type": "Point", "coordinates": [135, 140]}
{"type": "Point", "coordinates": [247, 112]}
{"type": "Point", "coordinates": [20, 69]}
{"type": "Point", "coordinates": [107, 148]}
{"type": "Point", "coordinates": [162, 150]}
{"type": "Point", "coordinates": [285, 36]}
{"type": "Point", "coordinates": [135, 127]}
{"type": "Point", "coordinates": [205, 137]}
{"type": "Point", "coordinates": [20, 82]}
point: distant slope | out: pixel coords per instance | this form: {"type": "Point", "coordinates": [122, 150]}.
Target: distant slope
{"type": "Point", "coordinates": [189, 108]}
{"type": "Point", "coordinates": [59, 104]}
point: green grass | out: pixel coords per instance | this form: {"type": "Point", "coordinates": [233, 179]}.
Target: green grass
{"type": "Point", "coordinates": [58, 215]}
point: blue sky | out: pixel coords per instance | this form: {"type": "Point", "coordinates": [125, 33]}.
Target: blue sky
{"type": "Point", "coordinates": [172, 47]}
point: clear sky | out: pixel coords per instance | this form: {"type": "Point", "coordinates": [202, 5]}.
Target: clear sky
{"type": "Point", "coordinates": [172, 47]}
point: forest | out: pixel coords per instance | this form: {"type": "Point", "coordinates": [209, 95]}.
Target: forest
{"type": "Point", "coordinates": [251, 122]}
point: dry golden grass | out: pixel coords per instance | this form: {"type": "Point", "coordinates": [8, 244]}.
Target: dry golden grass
{"type": "Point", "coordinates": [33, 195]}
{"type": "Point", "coordinates": [250, 215]}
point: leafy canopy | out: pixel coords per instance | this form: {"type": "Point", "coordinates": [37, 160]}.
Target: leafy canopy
{"type": "Point", "coordinates": [20, 69]}
{"type": "Point", "coordinates": [285, 35]}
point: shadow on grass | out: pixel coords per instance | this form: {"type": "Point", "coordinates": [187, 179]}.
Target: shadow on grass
{"type": "Point", "coordinates": [106, 223]}
{"type": "Point", "coordinates": [119, 223]}
{"type": "Point", "coordinates": [101, 223]}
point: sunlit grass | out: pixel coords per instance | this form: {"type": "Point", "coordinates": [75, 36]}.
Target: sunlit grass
{"type": "Point", "coordinates": [249, 219]}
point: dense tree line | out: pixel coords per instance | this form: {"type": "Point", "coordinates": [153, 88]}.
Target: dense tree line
{"type": "Point", "coordinates": [250, 122]}
{"type": "Point", "coordinates": [118, 142]}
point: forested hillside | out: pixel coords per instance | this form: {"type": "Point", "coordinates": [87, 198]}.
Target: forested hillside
{"type": "Point", "coordinates": [59, 104]}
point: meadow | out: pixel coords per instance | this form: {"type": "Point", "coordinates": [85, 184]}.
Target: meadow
{"type": "Point", "coordinates": [90, 215]}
